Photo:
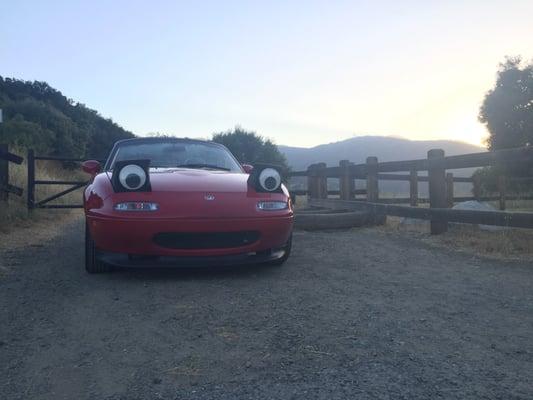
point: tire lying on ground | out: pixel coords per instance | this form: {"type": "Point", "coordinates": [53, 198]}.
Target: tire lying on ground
{"type": "Point", "coordinates": [318, 219]}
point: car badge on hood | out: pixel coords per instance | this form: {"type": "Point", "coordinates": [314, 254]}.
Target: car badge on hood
{"type": "Point", "coordinates": [209, 197]}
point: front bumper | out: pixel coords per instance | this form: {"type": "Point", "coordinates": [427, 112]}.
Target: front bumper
{"type": "Point", "coordinates": [135, 236]}
{"type": "Point", "coordinates": [125, 260]}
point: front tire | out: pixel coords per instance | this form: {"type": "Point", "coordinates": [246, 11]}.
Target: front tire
{"type": "Point", "coordinates": [92, 264]}
{"type": "Point", "coordinates": [285, 257]}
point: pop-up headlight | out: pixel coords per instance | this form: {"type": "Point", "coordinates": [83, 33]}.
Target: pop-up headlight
{"type": "Point", "coordinates": [265, 178]}
{"type": "Point", "coordinates": [131, 176]}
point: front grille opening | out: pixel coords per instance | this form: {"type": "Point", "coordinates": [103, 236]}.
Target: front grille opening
{"type": "Point", "coordinates": [207, 240]}
{"type": "Point", "coordinates": [142, 257]}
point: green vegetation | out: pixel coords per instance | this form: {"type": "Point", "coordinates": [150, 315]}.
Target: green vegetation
{"type": "Point", "coordinates": [40, 117]}
{"type": "Point", "coordinates": [507, 109]}
{"type": "Point", "coordinates": [248, 147]}
{"type": "Point", "coordinates": [507, 112]}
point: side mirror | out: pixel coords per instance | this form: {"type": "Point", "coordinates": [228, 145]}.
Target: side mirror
{"type": "Point", "coordinates": [92, 167]}
{"type": "Point", "coordinates": [248, 168]}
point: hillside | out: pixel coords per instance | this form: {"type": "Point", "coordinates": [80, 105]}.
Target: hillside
{"type": "Point", "coordinates": [40, 117]}
{"type": "Point", "coordinates": [358, 148]}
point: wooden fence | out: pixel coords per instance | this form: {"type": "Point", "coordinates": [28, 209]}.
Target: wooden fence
{"type": "Point", "coordinates": [5, 187]}
{"type": "Point", "coordinates": [31, 202]}
{"type": "Point", "coordinates": [441, 187]}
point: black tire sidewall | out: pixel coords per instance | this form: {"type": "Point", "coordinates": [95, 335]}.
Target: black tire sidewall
{"type": "Point", "coordinates": [92, 265]}
{"type": "Point", "coordinates": [288, 247]}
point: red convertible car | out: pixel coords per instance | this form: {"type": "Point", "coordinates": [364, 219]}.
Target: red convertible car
{"type": "Point", "coordinates": [183, 202]}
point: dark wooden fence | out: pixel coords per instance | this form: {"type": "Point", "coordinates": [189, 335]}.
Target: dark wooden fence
{"type": "Point", "coordinates": [5, 187]}
{"type": "Point", "coordinates": [441, 187]}
{"type": "Point", "coordinates": [33, 182]}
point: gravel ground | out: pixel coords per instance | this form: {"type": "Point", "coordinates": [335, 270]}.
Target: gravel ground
{"type": "Point", "coordinates": [360, 314]}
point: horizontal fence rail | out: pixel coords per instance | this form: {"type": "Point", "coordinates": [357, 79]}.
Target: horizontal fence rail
{"type": "Point", "coordinates": [9, 188]}
{"type": "Point", "coordinates": [6, 155]}
{"type": "Point", "coordinates": [473, 160]}
{"type": "Point", "coordinates": [499, 218]}
{"type": "Point", "coordinates": [46, 182]}
{"type": "Point", "coordinates": [440, 184]}
{"type": "Point", "coordinates": [63, 159]}
{"type": "Point", "coordinates": [303, 192]}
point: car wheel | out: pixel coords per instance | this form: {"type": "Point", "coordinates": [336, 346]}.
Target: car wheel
{"type": "Point", "coordinates": [92, 265]}
{"type": "Point", "coordinates": [281, 261]}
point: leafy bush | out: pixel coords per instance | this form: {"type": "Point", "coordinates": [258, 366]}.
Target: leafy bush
{"type": "Point", "coordinates": [248, 147]}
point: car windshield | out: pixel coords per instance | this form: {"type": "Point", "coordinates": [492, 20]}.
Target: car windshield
{"type": "Point", "coordinates": [169, 154]}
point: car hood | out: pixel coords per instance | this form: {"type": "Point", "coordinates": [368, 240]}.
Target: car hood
{"type": "Point", "coordinates": [197, 180]}
{"type": "Point", "coordinates": [191, 193]}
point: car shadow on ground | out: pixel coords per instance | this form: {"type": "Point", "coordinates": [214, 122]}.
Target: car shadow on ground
{"type": "Point", "coordinates": [196, 273]}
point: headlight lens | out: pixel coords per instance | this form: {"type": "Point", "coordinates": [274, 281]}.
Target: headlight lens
{"type": "Point", "coordinates": [272, 205]}
{"type": "Point", "coordinates": [136, 206]}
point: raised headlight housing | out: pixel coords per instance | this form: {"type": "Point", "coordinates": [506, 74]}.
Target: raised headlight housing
{"type": "Point", "coordinates": [265, 178]}
{"type": "Point", "coordinates": [270, 179]}
{"type": "Point", "coordinates": [131, 176]}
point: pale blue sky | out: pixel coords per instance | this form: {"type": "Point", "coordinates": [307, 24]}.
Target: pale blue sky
{"type": "Point", "coordinates": [300, 72]}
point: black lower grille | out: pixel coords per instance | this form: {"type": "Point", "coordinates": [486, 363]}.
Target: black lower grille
{"type": "Point", "coordinates": [208, 240]}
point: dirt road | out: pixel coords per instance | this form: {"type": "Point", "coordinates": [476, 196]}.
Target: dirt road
{"type": "Point", "coordinates": [357, 314]}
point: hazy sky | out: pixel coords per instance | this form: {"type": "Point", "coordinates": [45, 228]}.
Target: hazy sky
{"type": "Point", "coordinates": [300, 72]}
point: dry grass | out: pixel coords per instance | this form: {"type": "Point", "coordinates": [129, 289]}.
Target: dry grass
{"type": "Point", "coordinates": [301, 202]}
{"type": "Point", "coordinates": [497, 242]}
{"type": "Point", "coordinates": [500, 243]}
{"type": "Point", "coordinates": [16, 215]}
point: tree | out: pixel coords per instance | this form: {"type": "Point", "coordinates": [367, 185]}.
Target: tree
{"type": "Point", "coordinates": [40, 117]}
{"type": "Point", "coordinates": [507, 109]}
{"type": "Point", "coordinates": [248, 147]}
{"type": "Point", "coordinates": [507, 112]}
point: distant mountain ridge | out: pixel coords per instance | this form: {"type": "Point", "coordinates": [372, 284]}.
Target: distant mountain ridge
{"type": "Point", "coordinates": [385, 148]}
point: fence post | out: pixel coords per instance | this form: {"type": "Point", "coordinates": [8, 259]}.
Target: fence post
{"type": "Point", "coordinates": [413, 187]}
{"type": "Point", "coordinates": [346, 181]}
{"type": "Point", "coordinates": [4, 174]}
{"type": "Point", "coordinates": [437, 187]}
{"type": "Point", "coordinates": [502, 188]}
{"type": "Point", "coordinates": [476, 188]}
{"type": "Point", "coordinates": [311, 182]}
{"type": "Point", "coordinates": [372, 186]}
{"type": "Point", "coordinates": [31, 180]}
{"type": "Point", "coordinates": [322, 181]}
{"type": "Point", "coordinates": [449, 189]}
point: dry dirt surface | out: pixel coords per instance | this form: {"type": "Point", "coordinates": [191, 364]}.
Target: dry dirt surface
{"type": "Point", "coordinates": [359, 314]}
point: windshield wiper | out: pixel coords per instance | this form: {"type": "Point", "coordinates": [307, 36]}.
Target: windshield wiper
{"type": "Point", "coordinates": [200, 166]}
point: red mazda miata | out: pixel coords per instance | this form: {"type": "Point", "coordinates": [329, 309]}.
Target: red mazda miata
{"type": "Point", "coordinates": [183, 202]}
